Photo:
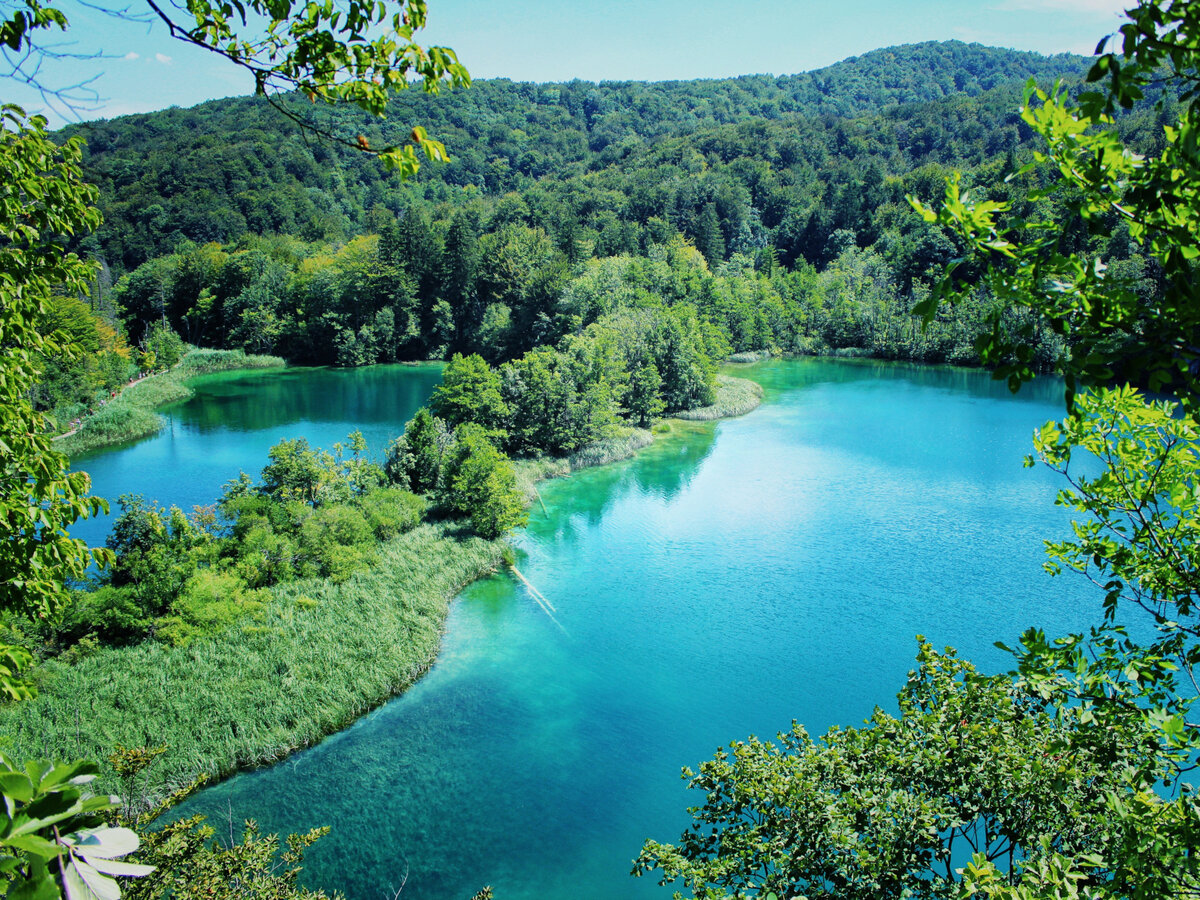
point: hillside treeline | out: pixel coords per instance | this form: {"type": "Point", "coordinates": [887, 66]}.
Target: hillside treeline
{"type": "Point", "coordinates": [750, 214]}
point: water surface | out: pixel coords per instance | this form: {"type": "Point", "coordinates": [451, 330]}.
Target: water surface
{"type": "Point", "coordinates": [234, 418]}
{"type": "Point", "coordinates": [731, 578]}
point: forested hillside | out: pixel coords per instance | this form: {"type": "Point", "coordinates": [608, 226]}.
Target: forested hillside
{"type": "Point", "coordinates": [616, 226]}
{"type": "Point", "coordinates": [231, 167]}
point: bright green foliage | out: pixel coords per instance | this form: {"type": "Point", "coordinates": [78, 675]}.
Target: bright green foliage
{"type": "Point", "coordinates": [298, 472]}
{"type": "Point", "coordinates": [177, 578]}
{"type": "Point", "coordinates": [131, 414]}
{"type": "Point", "coordinates": [188, 862]}
{"type": "Point", "coordinates": [482, 484]}
{"type": "Point", "coordinates": [1099, 184]}
{"type": "Point", "coordinates": [416, 458]}
{"type": "Point", "coordinates": [1138, 543]}
{"type": "Point", "coordinates": [885, 810]}
{"type": "Point", "coordinates": [68, 386]}
{"type": "Point", "coordinates": [1140, 536]}
{"type": "Point", "coordinates": [470, 392]}
{"type": "Point", "coordinates": [294, 473]}
{"type": "Point", "coordinates": [41, 199]}
{"type": "Point", "coordinates": [163, 345]}
{"type": "Point", "coordinates": [392, 511]}
{"type": "Point", "coordinates": [51, 828]}
{"type": "Point", "coordinates": [193, 865]}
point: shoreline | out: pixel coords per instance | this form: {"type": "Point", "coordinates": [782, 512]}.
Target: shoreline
{"type": "Point", "coordinates": [215, 703]}
{"type": "Point", "coordinates": [130, 414]}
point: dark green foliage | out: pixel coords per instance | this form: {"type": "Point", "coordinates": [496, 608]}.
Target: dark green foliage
{"type": "Point", "coordinates": [481, 483]}
{"type": "Point", "coordinates": [643, 396]}
{"type": "Point", "coordinates": [416, 458]}
{"type": "Point", "coordinates": [249, 171]}
{"type": "Point", "coordinates": [494, 253]}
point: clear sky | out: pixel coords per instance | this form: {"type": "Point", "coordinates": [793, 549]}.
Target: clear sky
{"type": "Point", "coordinates": [557, 40]}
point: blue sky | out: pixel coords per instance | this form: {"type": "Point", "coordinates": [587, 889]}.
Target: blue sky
{"type": "Point", "coordinates": [555, 40]}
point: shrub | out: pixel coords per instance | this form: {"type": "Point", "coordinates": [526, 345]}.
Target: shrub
{"type": "Point", "coordinates": [393, 511]}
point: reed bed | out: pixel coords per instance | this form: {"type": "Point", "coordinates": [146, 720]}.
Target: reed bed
{"type": "Point", "coordinates": [315, 658]}
{"type": "Point", "coordinates": [206, 362]}
{"type": "Point", "coordinates": [130, 415]}
{"type": "Point", "coordinates": [614, 448]}
{"type": "Point", "coordinates": [749, 356]}
{"type": "Point", "coordinates": [735, 397]}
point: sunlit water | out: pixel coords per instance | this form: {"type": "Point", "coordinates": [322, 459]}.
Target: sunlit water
{"type": "Point", "coordinates": [727, 580]}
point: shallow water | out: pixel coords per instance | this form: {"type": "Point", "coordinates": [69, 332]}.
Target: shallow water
{"type": "Point", "coordinates": [732, 577]}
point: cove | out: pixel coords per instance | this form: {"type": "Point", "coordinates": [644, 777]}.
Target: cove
{"type": "Point", "coordinates": [234, 418]}
{"type": "Point", "coordinates": [729, 579]}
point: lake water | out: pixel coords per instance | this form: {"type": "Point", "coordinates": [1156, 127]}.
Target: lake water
{"type": "Point", "coordinates": [731, 578]}
{"type": "Point", "coordinates": [234, 419]}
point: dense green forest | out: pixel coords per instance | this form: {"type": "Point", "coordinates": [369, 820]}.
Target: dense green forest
{"type": "Point", "coordinates": [681, 222]}
{"type": "Point", "coordinates": [234, 167]}
{"type": "Point", "coordinates": [563, 203]}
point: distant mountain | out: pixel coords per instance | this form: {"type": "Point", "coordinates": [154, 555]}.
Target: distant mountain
{"type": "Point", "coordinates": [913, 73]}
{"type": "Point", "coordinates": [232, 167]}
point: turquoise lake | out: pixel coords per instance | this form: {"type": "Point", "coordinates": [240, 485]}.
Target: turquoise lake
{"type": "Point", "coordinates": [234, 419]}
{"type": "Point", "coordinates": [731, 578]}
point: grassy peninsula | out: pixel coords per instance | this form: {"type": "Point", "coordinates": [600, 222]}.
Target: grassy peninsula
{"type": "Point", "coordinates": [130, 415]}
{"type": "Point", "coordinates": [316, 655]}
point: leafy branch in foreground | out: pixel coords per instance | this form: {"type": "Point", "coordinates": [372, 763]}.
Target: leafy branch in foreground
{"type": "Point", "coordinates": [42, 200]}
{"type": "Point", "coordinates": [352, 51]}
{"type": "Point", "coordinates": [359, 51]}
{"type": "Point", "coordinates": [1028, 252]}
{"type": "Point", "coordinates": [51, 829]}
{"type": "Point", "coordinates": [972, 764]}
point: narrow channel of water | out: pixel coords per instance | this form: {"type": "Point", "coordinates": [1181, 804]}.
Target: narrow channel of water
{"type": "Point", "coordinates": [729, 579]}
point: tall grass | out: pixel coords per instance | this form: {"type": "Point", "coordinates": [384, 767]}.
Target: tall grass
{"type": "Point", "coordinates": [317, 656]}
{"type": "Point", "coordinates": [749, 356]}
{"type": "Point", "coordinates": [735, 397]}
{"type": "Point", "coordinates": [612, 449]}
{"type": "Point", "coordinates": [205, 362]}
{"type": "Point", "coordinates": [130, 415]}
{"type": "Point", "coordinates": [618, 446]}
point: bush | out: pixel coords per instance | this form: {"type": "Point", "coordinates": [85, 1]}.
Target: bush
{"type": "Point", "coordinates": [112, 614]}
{"type": "Point", "coordinates": [392, 511]}
{"type": "Point", "coordinates": [211, 602]}
{"type": "Point", "coordinates": [329, 532]}
{"type": "Point", "coordinates": [483, 485]}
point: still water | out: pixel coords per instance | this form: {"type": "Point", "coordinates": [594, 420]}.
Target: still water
{"type": "Point", "coordinates": [731, 578]}
{"type": "Point", "coordinates": [235, 417]}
